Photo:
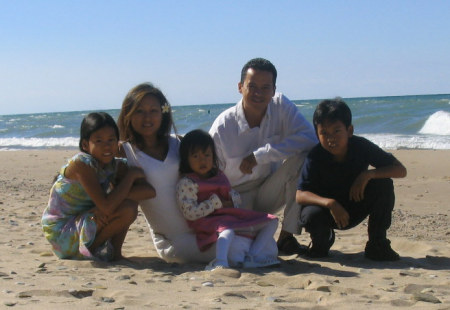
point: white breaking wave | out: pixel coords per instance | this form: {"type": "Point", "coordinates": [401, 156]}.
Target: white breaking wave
{"type": "Point", "coordinates": [385, 141]}
{"type": "Point", "coordinates": [38, 142]}
{"type": "Point", "coordinates": [437, 124]}
{"type": "Point", "coordinates": [395, 142]}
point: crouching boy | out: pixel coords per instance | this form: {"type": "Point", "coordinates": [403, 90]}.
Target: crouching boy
{"type": "Point", "coordinates": [338, 190]}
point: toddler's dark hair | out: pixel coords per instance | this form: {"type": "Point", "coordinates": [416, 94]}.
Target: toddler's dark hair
{"type": "Point", "coordinates": [93, 122]}
{"type": "Point", "coordinates": [192, 141]}
{"type": "Point", "coordinates": [332, 110]}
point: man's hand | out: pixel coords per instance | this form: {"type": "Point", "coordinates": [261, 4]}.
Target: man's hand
{"type": "Point", "coordinates": [247, 164]}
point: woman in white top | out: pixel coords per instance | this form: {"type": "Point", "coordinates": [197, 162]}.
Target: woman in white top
{"type": "Point", "coordinates": [145, 123]}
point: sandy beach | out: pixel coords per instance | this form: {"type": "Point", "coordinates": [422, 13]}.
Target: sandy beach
{"type": "Point", "coordinates": [31, 277]}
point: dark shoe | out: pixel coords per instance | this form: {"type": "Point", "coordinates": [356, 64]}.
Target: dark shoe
{"type": "Point", "coordinates": [315, 253]}
{"type": "Point", "coordinates": [289, 246]}
{"type": "Point", "coordinates": [320, 245]}
{"type": "Point", "coordinates": [380, 250]}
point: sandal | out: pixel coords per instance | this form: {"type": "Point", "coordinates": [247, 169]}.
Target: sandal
{"type": "Point", "coordinates": [290, 246]}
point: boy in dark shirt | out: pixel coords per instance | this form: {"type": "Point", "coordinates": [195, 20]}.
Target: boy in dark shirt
{"type": "Point", "coordinates": [337, 190]}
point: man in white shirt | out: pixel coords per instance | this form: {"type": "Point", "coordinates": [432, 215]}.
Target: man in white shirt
{"type": "Point", "coordinates": [261, 144]}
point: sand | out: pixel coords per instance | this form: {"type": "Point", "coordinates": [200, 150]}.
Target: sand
{"type": "Point", "coordinates": [31, 277]}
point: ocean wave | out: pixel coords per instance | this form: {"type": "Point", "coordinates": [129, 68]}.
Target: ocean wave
{"type": "Point", "coordinates": [395, 142]}
{"type": "Point", "coordinates": [437, 124]}
{"type": "Point", "coordinates": [385, 141]}
{"type": "Point", "coordinates": [38, 143]}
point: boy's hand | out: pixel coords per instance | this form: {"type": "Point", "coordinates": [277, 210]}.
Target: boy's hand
{"type": "Point", "coordinates": [359, 185]}
{"type": "Point", "coordinates": [340, 215]}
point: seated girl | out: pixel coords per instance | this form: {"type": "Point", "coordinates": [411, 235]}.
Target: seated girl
{"type": "Point", "coordinates": [211, 208]}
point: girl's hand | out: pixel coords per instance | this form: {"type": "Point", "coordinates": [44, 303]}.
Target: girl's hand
{"type": "Point", "coordinates": [100, 218]}
{"type": "Point", "coordinates": [135, 173]}
{"type": "Point", "coordinates": [340, 215]}
{"type": "Point", "coordinates": [359, 185]}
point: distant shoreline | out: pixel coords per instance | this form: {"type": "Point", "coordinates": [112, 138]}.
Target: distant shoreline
{"type": "Point", "coordinates": [223, 103]}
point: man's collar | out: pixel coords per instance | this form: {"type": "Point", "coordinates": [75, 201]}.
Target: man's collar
{"type": "Point", "coordinates": [240, 115]}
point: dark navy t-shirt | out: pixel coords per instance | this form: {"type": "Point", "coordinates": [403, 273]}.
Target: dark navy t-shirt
{"type": "Point", "coordinates": [327, 178]}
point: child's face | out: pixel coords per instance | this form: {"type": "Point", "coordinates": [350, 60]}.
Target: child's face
{"type": "Point", "coordinates": [146, 119]}
{"type": "Point", "coordinates": [201, 161]}
{"type": "Point", "coordinates": [333, 136]}
{"type": "Point", "coordinates": [102, 145]}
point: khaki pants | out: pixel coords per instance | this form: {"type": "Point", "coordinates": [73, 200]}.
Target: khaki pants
{"type": "Point", "coordinates": [276, 191]}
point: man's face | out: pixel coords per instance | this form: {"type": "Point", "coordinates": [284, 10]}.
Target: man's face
{"type": "Point", "coordinates": [257, 90]}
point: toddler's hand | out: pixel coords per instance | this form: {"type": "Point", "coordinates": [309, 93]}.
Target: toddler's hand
{"type": "Point", "coordinates": [227, 204]}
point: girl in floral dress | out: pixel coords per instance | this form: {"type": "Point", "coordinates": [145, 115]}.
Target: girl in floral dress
{"type": "Point", "coordinates": [92, 201]}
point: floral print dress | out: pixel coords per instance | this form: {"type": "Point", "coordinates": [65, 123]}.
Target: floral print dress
{"type": "Point", "coordinates": [67, 221]}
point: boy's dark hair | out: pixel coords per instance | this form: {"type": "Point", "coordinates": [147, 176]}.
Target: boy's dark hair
{"type": "Point", "coordinates": [192, 141]}
{"type": "Point", "coordinates": [332, 110]}
{"type": "Point", "coordinates": [93, 122]}
{"type": "Point", "coordinates": [129, 106]}
{"type": "Point", "coordinates": [259, 64]}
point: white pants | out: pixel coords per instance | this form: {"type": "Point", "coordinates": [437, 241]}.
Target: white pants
{"type": "Point", "coordinates": [276, 191]}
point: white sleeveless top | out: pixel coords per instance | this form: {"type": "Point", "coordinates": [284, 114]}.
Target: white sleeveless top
{"type": "Point", "coordinates": [173, 239]}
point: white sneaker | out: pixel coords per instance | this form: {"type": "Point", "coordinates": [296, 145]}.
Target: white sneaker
{"type": "Point", "coordinates": [215, 264]}
{"type": "Point", "coordinates": [250, 262]}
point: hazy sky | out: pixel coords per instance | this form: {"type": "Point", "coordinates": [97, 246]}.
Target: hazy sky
{"type": "Point", "coordinates": [86, 55]}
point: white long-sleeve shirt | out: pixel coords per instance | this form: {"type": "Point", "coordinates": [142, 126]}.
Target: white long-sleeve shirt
{"type": "Point", "coordinates": [188, 201]}
{"type": "Point", "coordinates": [283, 132]}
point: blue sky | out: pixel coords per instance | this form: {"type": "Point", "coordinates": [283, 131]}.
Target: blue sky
{"type": "Point", "coordinates": [86, 55]}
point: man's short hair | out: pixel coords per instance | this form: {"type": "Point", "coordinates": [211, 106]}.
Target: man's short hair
{"type": "Point", "coordinates": [259, 64]}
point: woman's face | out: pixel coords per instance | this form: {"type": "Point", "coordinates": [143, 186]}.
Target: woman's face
{"type": "Point", "coordinates": [146, 119]}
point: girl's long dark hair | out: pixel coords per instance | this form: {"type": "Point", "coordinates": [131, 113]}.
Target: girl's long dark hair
{"type": "Point", "coordinates": [93, 122]}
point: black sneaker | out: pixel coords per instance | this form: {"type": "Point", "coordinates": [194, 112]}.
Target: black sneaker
{"type": "Point", "coordinates": [289, 246]}
{"type": "Point", "coordinates": [320, 246]}
{"type": "Point", "coordinates": [380, 250]}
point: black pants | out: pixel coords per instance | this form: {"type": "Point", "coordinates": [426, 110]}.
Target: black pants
{"type": "Point", "coordinates": [378, 204]}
